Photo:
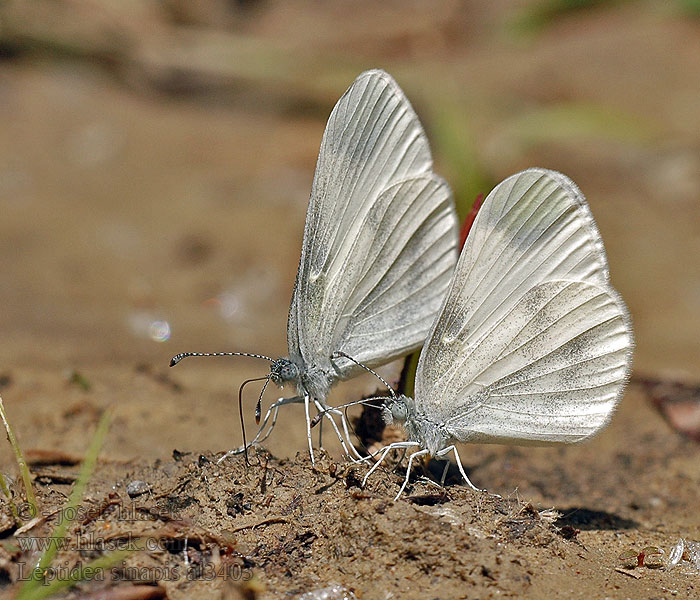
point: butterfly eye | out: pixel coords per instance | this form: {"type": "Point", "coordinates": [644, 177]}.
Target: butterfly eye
{"type": "Point", "coordinates": [289, 371]}
{"type": "Point", "coordinates": [398, 411]}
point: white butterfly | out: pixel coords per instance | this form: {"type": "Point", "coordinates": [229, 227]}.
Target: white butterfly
{"type": "Point", "coordinates": [532, 344]}
{"type": "Point", "coordinates": [379, 249]}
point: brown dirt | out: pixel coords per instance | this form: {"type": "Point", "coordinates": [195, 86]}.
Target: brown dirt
{"type": "Point", "coordinates": [156, 165]}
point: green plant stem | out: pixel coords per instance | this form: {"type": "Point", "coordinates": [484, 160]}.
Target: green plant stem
{"type": "Point", "coordinates": [28, 590]}
{"type": "Point", "coordinates": [6, 490]}
{"type": "Point", "coordinates": [23, 468]}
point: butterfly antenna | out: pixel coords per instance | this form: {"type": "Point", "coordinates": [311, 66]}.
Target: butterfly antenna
{"type": "Point", "coordinates": [178, 357]}
{"type": "Point", "coordinates": [240, 413]}
{"type": "Point", "coordinates": [352, 426]}
{"type": "Point", "coordinates": [258, 406]}
{"type": "Point", "coordinates": [366, 368]}
{"type": "Point", "coordinates": [366, 401]}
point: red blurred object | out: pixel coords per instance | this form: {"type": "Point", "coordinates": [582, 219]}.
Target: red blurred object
{"type": "Point", "coordinates": [678, 402]}
{"type": "Point", "coordinates": [469, 220]}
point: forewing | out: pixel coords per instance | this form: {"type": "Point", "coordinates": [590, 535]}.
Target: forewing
{"type": "Point", "coordinates": [374, 159]}
{"type": "Point", "coordinates": [533, 234]}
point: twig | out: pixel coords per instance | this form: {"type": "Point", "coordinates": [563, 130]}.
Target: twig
{"type": "Point", "coordinates": [628, 573]}
{"type": "Point", "coordinates": [269, 521]}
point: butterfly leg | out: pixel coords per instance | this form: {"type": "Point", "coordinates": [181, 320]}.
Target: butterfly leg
{"type": "Point", "coordinates": [307, 401]}
{"type": "Point", "coordinates": [384, 452]}
{"type": "Point", "coordinates": [444, 472]}
{"type": "Point", "coordinates": [320, 431]}
{"type": "Point", "coordinates": [375, 466]}
{"type": "Point", "coordinates": [329, 412]}
{"type": "Point", "coordinates": [422, 452]}
{"type": "Point", "coordinates": [273, 411]}
{"type": "Point", "coordinates": [453, 449]}
{"type": "Point", "coordinates": [348, 439]}
{"type": "Point", "coordinates": [344, 421]}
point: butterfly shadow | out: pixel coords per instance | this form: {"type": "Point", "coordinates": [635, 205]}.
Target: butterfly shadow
{"type": "Point", "coordinates": [435, 468]}
{"type": "Point", "coordinates": [588, 519]}
{"type": "Point", "coordinates": [575, 517]}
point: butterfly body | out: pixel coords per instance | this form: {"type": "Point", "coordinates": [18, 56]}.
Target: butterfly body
{"type": "Point", "coordinates": [532, 345]}
{"type": "Point", "coordinates": [379, 248]}
{"type": "Point", "coordinates": [423, 428]}
{"type": "Point", "coordinates": [309, 380]}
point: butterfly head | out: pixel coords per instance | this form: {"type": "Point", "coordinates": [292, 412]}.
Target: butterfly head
{"type": "Point", "coordinates": [284, 370]}
{"type": "Point", "coordinates": [396, 410]}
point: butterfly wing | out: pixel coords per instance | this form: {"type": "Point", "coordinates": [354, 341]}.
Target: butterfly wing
{"type": "Point", "coordinates": [380, 238]}
{"type": "Point", "coordinates": [533, 344]}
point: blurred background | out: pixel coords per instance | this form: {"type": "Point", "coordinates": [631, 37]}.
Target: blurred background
{"type": "Point", "coordinates": [156, 159]}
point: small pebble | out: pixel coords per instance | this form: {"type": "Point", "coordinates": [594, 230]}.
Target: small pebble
{"type": "Point", "coordinates": [136, 488]}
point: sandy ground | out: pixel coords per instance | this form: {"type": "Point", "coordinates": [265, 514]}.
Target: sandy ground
{"type": "Point", "coordinates": [156, 164]}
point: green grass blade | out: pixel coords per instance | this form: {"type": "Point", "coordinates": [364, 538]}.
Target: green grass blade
{"type": "Point", "coordinates": [6, 491]}
{"type": "Point", "coordinates": [578, 120]}
{"type": "Point", "coordinates": [70, 508]}
{"type": "Point", "coordinates": [537, 17]}
{"type": "Point", "coordinates": [23, 468]}
{"type": "Point", "coordinates": [690, 7]}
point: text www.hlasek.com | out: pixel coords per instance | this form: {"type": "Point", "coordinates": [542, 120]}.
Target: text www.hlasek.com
{"type": "Point", "coordinates": [90, 542]}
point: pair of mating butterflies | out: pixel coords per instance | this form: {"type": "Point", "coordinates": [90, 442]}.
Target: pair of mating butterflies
{"type": "Point", "coordinates": [524, 339]}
